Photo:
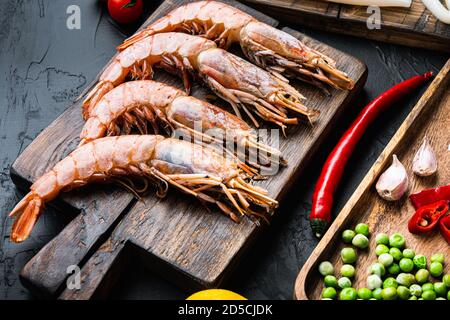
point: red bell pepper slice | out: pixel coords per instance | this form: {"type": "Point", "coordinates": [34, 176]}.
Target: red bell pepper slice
{"type": "Point", "coordinates": [427, 217]}
{"type": "Point", "coordinates": [429, 196]}
{"type": "Point", "coordinates": [444, 225]}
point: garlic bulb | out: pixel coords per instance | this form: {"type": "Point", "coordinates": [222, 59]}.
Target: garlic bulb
{"type": "Point", "coordinates": [393, 183]}
{"type": "Point", "coordinates": [425, 162]}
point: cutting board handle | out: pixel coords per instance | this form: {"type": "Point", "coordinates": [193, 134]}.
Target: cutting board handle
{"type": "Point", "coordinates": [46, 273]}
{"type": "Point", "coordinates": [97, 276]}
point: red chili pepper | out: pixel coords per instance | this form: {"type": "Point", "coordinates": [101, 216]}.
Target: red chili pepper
{"type": "Point", "coordinates": [427, 217]}
{"type": "Point", "coordinates": [333, 168]}
{"type": "Point", "coordinates": [444, 225]}
{"type": "Point", "coordinates": [428, 196]}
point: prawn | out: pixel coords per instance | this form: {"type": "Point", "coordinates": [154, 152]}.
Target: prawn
{"type": "Point", "coordinates": [135, 104]}
{"type": "Point", "coordinates": [189, 167]}
{"type": "Point", "coordinates": [242, 84]}
{"type": "Point", "coordinates": [272, 49]}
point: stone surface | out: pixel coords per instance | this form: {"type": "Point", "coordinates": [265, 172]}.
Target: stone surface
{"type": "Point", "coordinates": [44, 66]}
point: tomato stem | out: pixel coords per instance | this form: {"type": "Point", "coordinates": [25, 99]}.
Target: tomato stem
{"type": "Point", "coordinates": [130, 4]}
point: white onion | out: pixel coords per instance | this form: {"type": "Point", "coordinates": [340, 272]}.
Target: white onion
{"type": "Point", "coordinates": [438, 9]}
{"type": "Point", "coordinates": [379, 3]}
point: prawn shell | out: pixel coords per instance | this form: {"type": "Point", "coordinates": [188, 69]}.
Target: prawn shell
{"type": "Point", "coordinates": [236, 73]}
{"type": "Point", "coordinates": [277, 40]}
{"type": "Point", "coordinates": [195, 158]}
{"type": "Point", "coordinates": [85, 161]}
{"type": "Point", "coordinates": [46, 187]}
{"type": "Point", "coordinates": [195, 113]}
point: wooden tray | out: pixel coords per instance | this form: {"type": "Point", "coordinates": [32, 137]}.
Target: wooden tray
{"type": "Point", "coordinates": [414, 26]}
{"type": "Point", "coordinates": [175, 236]}
{"type": "Point", "coordinates": [429, 117]}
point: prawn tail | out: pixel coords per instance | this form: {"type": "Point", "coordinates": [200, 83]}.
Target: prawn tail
{"type": "Point", "coordinates": [27, 211]}
{"type": "Point", "coordinates": [134, 38]}
{"type": "Point", "coordinates": [94, 96]}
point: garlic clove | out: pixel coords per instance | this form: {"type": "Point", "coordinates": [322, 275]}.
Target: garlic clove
{"type": "Point", "coordinates": [425, 162]}
{"type": "Point", "coordinates": [393, 183]}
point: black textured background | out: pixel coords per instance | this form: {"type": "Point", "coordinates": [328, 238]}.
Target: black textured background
{"type": "Point", "coordinates": [44, 66]}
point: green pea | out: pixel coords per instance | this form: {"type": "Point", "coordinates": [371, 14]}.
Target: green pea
{"type": "Point", "coordinates": [446, 280]}
{"type": "Point", "coordinates": [344, 282]}
{"type": "Point", "coordinates": [408, 253]}
{"type": "Point", "coordinates": [330, 281]}
{"type": "Point", "coordinates": [406, 265]}
{"type": "Point", "coordinates": [385, 259]}
{"type": "Point", "coordinates": [348, 255]}
{"type": "Point", "coordinates": [348, 294]}
{"type": "Point", "coordinates": [329, 293]}
{"type": "Point", "coordinates": [380, 249]}
{"type": "Point", "coordinates": [377, 293]}
{"type": "Point", "coordinates": [389, 293]}
{"type": "Point", "coordinates": [378, 269]}
{"type": "Point", "coordinates": [374, 281]}
{"type": "Point", "coordinates": [360, 241]}
{"type": "Point", "coordinates": [396, 254]}
{"type": "Point", "coordinates": [326, 268]}
{"type": "Point", "coordinates": [403, 292]}
{"type": "Point", "coordinates": [437, 257]}
{"type": "Point", "coordinates": [420, 261]}
{"type": "Point", "coordinates": [405, 279]}
{"type": "Point", "coordinates": [422, 276]}
{"type": "Point", "coordinates": [364, 294]}
{"type": "Point", "coordinates": [415, 290]}
{"type": "Point", "coordinates": [448, 295]}
{"type": "Point", "coordinates": [427, 286]}
{"type": "Point", "coordinates": [413, 298]}
{"type": "Point", "coordinates": [436, 269]}
{"type": "Point", "coordinates": [390, 282]}
{"type": "Point", "coordinates": [382, 238]}
{"type": "Point", "coordinates": [397, 241]}
{"type": "Point", "coordinates": [440, 298]}
{"type": "Point", "coordinates": [348, 235]}
{"type": "Point", "coordinates": [429, 295]}
{"type": "Point", "coordinates": [440, 289]}
{"type": "Point", "coordinates": [394, 269]}
{"type": "Point", "coordinates": [362, 228]}
{"type": "Point", "coordinates": [347, 270]}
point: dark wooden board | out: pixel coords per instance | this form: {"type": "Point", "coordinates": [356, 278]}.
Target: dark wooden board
{"type": "Point", "coordinates": [414, 26]}
{"type": "Point", "coordinates": [97, 212]}
{"type": "Point", "coordinates": [429, 117]}
{"type": "Point", "coordinates": [197, 248]}
{"type": "Point", "coordinates": [203, 247]}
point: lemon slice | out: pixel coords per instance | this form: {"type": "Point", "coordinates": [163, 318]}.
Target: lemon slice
{"type": "Point", "coordinates": [216, 294]}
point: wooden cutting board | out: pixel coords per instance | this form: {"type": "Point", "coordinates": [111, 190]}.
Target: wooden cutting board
{"type": "Point", "coordinates": [429, 117]}
{"type": "Point", "coordinates": [175, 236]}
{"type": "Point", "coordinates": [414, 26]}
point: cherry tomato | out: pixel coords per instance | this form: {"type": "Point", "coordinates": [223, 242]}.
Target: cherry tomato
{"type": "Point", "coordinates": [125, 11]}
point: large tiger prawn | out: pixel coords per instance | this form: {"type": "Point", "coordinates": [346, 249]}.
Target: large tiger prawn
{"type": "Point", "coordinates": [244, 85]}
{"type": "Point", "coordinates": [140, 103]}
{"type": "Point", "coordinates": [272, 49]}
{"type": "Point", "coordinates": [191, 168]}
